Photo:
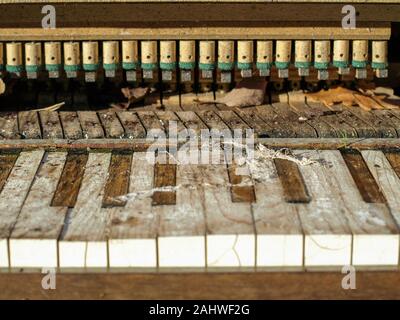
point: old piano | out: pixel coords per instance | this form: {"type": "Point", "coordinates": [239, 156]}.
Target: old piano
{"type": "Point", "coordinates": [79, 194]}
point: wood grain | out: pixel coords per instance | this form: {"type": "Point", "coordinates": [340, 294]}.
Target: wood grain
{"type": "Point", "coordinates": [117, 184]}
{"type": "Point", "coordinates": [111, 124]}
{"type": "Point", "coordinates": [70, 124]}
{"type": "Point", "coordinates": [164, 176]}
{"type": "Point", "coordinates": [51, 125]}
{"type": "Point", "coordinates": [9, 125]}
{"type": "Point", "coordinates": [363, 178]}
{"type": "Point", "coordinates": [292, 181]}
{"type": "Point", "coordinates": [6, 164]}
{"type": "Point", "coordinates": [132, 125]}
{"type": "Point", "coordinates": [33, 240]}
{"type": "Point", "coordinates": [210, 285]}
{"type": "Point", "coordinates": [91, 126]}
{"type": "Point", "coordinates": [70, 181]}
{"type": "Point", "coordinates": [29, 126]}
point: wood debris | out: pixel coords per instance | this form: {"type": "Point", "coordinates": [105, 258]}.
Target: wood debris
{"type": "Point", "coordinates": [53, 107]}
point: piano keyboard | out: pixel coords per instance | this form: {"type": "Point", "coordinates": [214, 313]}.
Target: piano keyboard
{"type": "Point", "coordinates": [115, 209]}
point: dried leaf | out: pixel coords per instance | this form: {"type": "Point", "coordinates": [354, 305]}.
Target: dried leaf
{"type": "Point", "coordinates": [133, 95]}
{"type": "Point", "coordinates": [365, 98]}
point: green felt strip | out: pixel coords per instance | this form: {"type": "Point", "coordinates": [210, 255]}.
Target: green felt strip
{"type": "Point", "coordinates": [263, 65]}
{"type": "Point", "coordinates": [53, 67]}
{"type": "Point", "coordinates": [1, 66]}
{"type": "Point", "coordinates": [282, 65]}
{"type": "Point", "coordinates": [244, 65]}
{"type": "Point", "coordinates": [226, 66]}
{"type": "Point", "coordinates": [32, 68]}
{"type": "Point", "coordinates": [110, 66]}
{"type": "Point", "coordinates": [379, 65]}
{"type": "Point", "coordinates": [187, 65]}
{"type": "Point", "coordinates": [130, 65]}
{"type": "Point", "coordinates": [90, 66]}
{"type": "Point", "coordinates": [14, 68]}
{"type": "Point", "coordinates": [168, 65]}
{"type": "Point", "coordinates": [149, 66]}
{"type": "Point", "coordinates": [359, 64]}
{"type": "Point", "coordinates": [321, 65]}
{"type": "Point", "coordinates": [340, 64]}
{"type": "Point", "coordinates": [72, 68]}
{"type": "Point", "coordinates": [206, 66]}
{"type": "Point", "coordinates": [302, 65]}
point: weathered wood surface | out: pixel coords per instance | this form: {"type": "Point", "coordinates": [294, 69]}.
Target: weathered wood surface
{"type": "Point", "coordinates": [242, 188]}
{"type": "Point", "coordinates": [339, 225]}
{"type": "Point", "coordinates": [260, 127]}
{"type": "Point", "coordinates": [132, 229]}
{"type": "Point", "coordinates": [83, 242]}
{"type": "Point", "coordinates": [212, 120]}
{"type": "Point", "coordinates": [209, 285]}
{"type": "Point", "coordinates": [192, 121]}
{"type": "Point", "coordinates": [182, 227]}
{"type": "Point", "coordinates": [281, 120]}
{"type": "Point", "coordinates": [164, 177]}
{"type": "Point", "coordinates": [33, 240]}
{"type": "Point", "coordinates": [118, 180]}
{"type": "Point", "coordinates": [29, 125]}
{"type": "Point", "coordinates": [280, 127]}
{"type": "Point", "coordinates": [13, 195]}
{"type": "Point", "coordinates": [91, 126]}
{"type": "Point", "coordinates": [70, 181]}
{"type": "Point", "coordinates": [375, 233]}
{"type": "Point", "coordinates": [230, 228]}
{"type": "Point", "coordinates": [111, 124]}
{"type": "Point", "coordinates": [303, 129]}
{"type": "Point", "coordinates": [170, 121]}
{"type": "Point", "coordinates": [295, 190]}
{"type": "Point", "coordinates": [343, 129]}
{"type": "Point", "coordinates": [9, 125]}
{"type": "Point", "coordinates": [132, 125]}
{"type": "Point", "coordinates": [365, 182]}
{"type": "Point", "coordinates": [386, 177]}
{"type": "Point", "coordinates": [277, 224]}
{"type": "Point", "coordinates": [71, 125]}
{"type": "Point", "coordinates": [327, 234]}
{"type": "Point", "coordinates": [51, 125]}
{"type": "Point", "coordinates": [7, 162]}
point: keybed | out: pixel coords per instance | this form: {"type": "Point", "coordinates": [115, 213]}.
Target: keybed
{"type": "Point", "coordinates": [179, 60]}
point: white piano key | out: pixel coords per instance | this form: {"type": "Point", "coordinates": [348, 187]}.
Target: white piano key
{"type": "Point", "coordinates": [13, 196]}
{"type": "Point", "coordinates": [33, 253]}
{"type": "Point", "coordinates": [370, 223]}
{"type": "Point", "coordinates": [181, 233]}
{"type": "Point", "coordinates": [86, 231]}
{"type": "Point", "coordinates": [83, 254]}
{"type": "Point", "coordinates": [133, 228]}
{"type": "Point", "coordinates": [389, 184]}
{"type": "Point", "coordinates": [327, 234]}
{"type": "Point", "coordinates": [230, 228]}
{"type": "Point", "coordinates": [33, 241]}
{"type": "Point", "coordinates": [387, 179]}
{"type": "Point", "coordinates": [278, 227]}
